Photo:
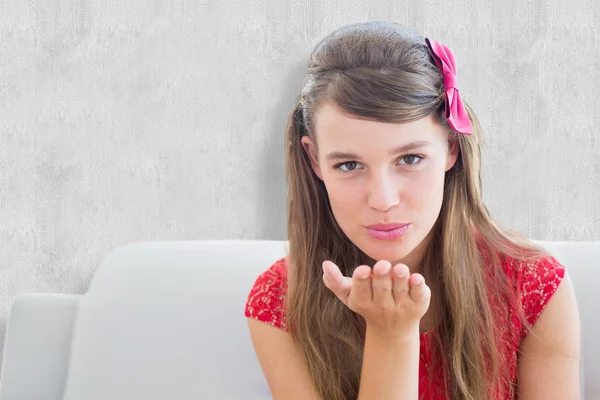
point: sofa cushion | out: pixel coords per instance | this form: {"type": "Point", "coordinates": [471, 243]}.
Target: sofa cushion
{"type": "Point", "coordinates": [38, 338]}
{"type": "Point", "coordinates": [165, 320]}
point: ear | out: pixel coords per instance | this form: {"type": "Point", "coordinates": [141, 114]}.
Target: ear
{"type": "Point", "coordinates": [311, 150]}
{"type": "Point", "coordinates": [453, 148]}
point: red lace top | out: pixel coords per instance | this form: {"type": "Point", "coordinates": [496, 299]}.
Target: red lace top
{"type": "Point", "coordinates": [535, 281]}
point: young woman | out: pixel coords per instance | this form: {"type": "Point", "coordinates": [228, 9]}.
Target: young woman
{"type": "Point", "coordinates": [398, 283]}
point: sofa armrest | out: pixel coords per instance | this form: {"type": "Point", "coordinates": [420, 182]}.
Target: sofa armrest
{"type": "Point", "coordinates": [36, 349]}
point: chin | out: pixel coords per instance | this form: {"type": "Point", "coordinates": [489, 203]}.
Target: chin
{"type": "Point", "coordinates": [393, 250]}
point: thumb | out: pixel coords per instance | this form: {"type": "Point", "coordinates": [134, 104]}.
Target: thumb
{"type": "Point", "coordinates": [339, 284]}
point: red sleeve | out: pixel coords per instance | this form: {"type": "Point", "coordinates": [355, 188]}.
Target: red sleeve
{"type": "Point", "coordinates": [266, 299]}
{"type": "Point", "coordinates": [539, 281]}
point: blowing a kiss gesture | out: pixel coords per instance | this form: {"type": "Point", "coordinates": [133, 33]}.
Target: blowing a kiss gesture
{"type": "Point", "coordinates": [390, 299]}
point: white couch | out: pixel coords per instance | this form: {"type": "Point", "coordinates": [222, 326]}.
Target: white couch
{"type": "Point", "coordinates": [164, 320]}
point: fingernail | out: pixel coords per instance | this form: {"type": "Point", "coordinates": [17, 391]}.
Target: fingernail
{"type": "Point", "coordinates": [401, 272]}
{"type": "Point", "coordinates": [418, 280]}
{"type": "Point", "coordinates": [359, 276]}
{"type": "Point", "coordinates": [385, 269]}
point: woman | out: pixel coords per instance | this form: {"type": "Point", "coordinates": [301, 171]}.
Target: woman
{"type": "Point", "coordinates": [398, 283]}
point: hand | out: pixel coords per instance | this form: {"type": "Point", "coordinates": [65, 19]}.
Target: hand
{"type": "Point", "coordinates": [391, 300]}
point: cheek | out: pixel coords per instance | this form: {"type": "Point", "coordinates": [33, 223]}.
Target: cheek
{"type": "Point", "coordinates": [426, 189]}
{"type": "Point", "coordinates": [341, 194]}
{"type": "Point", "coordinates": [347, 203]}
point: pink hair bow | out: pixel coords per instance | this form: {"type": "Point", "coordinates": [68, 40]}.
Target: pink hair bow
{"type": "Point", "coordinates": [456, 114]}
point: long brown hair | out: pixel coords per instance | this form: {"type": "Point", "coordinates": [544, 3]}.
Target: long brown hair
{"type": "Point", "coordinates": [384, 72]}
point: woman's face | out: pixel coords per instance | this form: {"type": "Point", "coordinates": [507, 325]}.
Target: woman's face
{"type": "Point", "coordinates": [382, 173]}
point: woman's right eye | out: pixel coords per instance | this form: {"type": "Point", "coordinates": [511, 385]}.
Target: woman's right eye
{"type": "Point", "coordinates": [347, 166]}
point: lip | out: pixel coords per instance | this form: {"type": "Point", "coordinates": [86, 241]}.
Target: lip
{"type": "Point", "coordinates": [386, 227]}
{"type": "Point", "coordinates": [387, 231]}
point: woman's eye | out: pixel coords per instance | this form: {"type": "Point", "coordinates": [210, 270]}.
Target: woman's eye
{"type": "Point", "coordinates": [411, 159]}
{"type": "Point", "coordinates": [348, 166]}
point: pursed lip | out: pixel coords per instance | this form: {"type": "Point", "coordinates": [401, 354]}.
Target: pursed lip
{"type": "Point", "coordinates": [386, 227]}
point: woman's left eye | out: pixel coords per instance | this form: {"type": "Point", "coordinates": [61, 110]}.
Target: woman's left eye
{"type": "Point", "coordinates": [411, 159]}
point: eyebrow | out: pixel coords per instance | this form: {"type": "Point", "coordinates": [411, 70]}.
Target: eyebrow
{"type": "Point", "coordinates": [339, 155]}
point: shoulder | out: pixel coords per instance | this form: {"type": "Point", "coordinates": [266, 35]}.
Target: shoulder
{"type": "Point", "coordinates": [552, 346]}
{"type": "Point", "coordinates": [536, 281]}
{"type": "Point", "coordinates": [280, 359]}
{"type": "Point", "coordinates": [266, 299]}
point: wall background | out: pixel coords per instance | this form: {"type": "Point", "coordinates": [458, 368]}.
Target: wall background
{"type": "Point", "coordinates": [149, 120]}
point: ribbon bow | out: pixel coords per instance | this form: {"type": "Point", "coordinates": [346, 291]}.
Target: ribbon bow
{"type": "Point", "coordinates": [456, 114]}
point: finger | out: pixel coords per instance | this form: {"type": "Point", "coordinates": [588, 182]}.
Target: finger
{"type": "Point", "coordinates": [382, 284]}
{"type": "Point", "coordinates": [339, 284]}
{"type": "Point", "coordinates": [400, 275]}
{"type": "Point", "coordinates": [419, 291]}
{"type": "Point", "coordinates": [361, 293]}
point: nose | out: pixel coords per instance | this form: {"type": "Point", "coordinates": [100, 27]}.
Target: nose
{"type": "Point", "coordinates": [384, 192]}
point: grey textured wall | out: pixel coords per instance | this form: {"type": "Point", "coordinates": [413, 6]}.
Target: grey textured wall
{"type": "Point", "coordinates": [138, 120]}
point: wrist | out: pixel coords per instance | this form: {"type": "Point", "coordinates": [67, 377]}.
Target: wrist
{"type": "Point", "coordinates": [397, 337]}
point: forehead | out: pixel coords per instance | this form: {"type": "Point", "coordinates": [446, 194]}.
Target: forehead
{"type": "Point", "coordinates": [336, 128]}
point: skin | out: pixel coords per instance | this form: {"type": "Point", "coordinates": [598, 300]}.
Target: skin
{"type": "Point", "coordinates": [395, 173]}
{"type": "Point", "coordinates": [374, 186]}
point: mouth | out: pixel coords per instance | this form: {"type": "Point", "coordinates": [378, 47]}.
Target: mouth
{"type": "Point", "coordinates": [387, 231]}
